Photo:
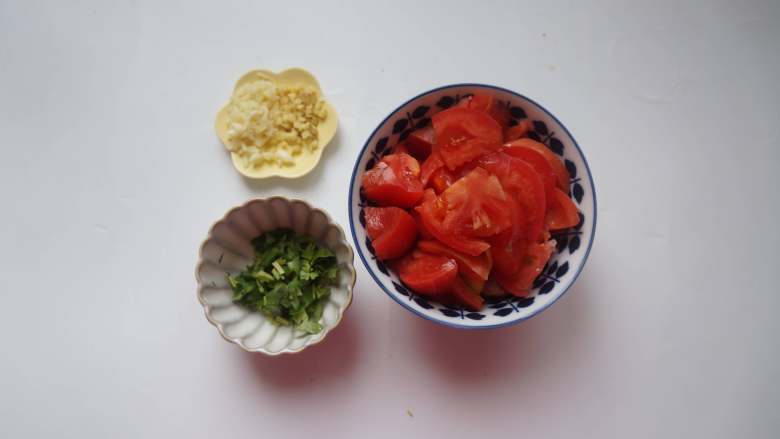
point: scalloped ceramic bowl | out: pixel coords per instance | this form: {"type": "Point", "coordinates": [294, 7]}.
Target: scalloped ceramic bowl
{"type": "Point", "coordinates": [572, 247]}
{"type": "Point", "coordinates": [307, 160]}
{"type": "Point", "coordinates": [228, 249]}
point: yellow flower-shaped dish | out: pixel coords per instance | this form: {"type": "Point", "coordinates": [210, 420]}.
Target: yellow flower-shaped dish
{"type": "Point", "coordinates": [306, 160]}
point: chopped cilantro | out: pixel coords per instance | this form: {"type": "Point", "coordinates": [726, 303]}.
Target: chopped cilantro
{"type": "Point", "coordinates": [288, 281]}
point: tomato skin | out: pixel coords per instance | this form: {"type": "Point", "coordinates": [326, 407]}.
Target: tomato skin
{"type": "Point", "coordinates": [519, 283]}
{"type": "Point", "coordinates": [562, 213]}
{"type": "Point", "coordinates": [489, 105]}
{"type": "Point", "coordinates": [508, 247]}
{"type": "Point", "coordinates": [401, 148]}
{"type": "Point", "coordinates": [463, 134]}
{"type": "Point", "coordinates": [474, 269]}
{"type": "Point", "coordinates": [428, 274]}
{"type": "Point", "coordinates": [432, 211]}
{"type": "Point", "coordinates": [392, 231]}
{"type": "Point", "coordinates": [524, 184]}
{"type": "Point", "coordinates": [562, 175]}
{"type": "Point", "coordinates": [420, 142]}
{"type": "Point", "coordinates": [540, 165]}
{"type": "Point", "coordinates": [394, 181]}
{"type": "Point", "coordinates": [435, 175]}
{"type": "Point", "coordinates": [518, 131]}
{"type": "Point", "coordinates": [465, 296]}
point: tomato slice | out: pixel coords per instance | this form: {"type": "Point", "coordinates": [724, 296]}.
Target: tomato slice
{"type": "Point", "coordinates": [428, 274]}
{"type": "Point", "coordinates": [441, 180]}
{"type": "Point", "coordinates": [392, 231]}
{"type": "Point", "coordinates": [463, 134]}
{"type": "Point", "coordinates": [518, 131]}
{"type": "Point", "coordinates": [474, 269]}
{"type": "Point", "coordinates": [432, 211]}
{"type": "Point", "coordinates": [562, 212]}
{"type": "Point", "coordinates": [489, 105]}
{"type": "Point", "coordinates": [466, 297]}
{"type": "Point", "coordinates": [420, 142]}
{"type": "Point", "coordinates": [429, 167]}
{"type": "Point", "coordinates": [401, 148]}
{"type": "Point", "coordinates": [508, 247]}
{"type": "Point", "coordinates": [562, 175]}
{"type": "Point", "coordinates": [524, 184]}
{"type": "Point", "coordinates": [540, 165]}
{"type": "Point", "coordinates": [519, 283]}
{"type": "Point", "coordinates": [394, 181]}
{"type": "Point", "coordinates": [476, 206]}
{"type": "Point", "coordinates": [435, 175]}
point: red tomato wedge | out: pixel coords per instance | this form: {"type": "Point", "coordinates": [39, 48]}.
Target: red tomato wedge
{"type": "Point", "coordinates": [394, 181]}
{"type": "Point", "coordinates": [401, 148]}
{"type": "Point", "coordinates": [508, 246]}
{"type": "Point", "coordinates": [476, 206]}
{"type": "Point", "coordinates": [474, 269]}
{"type": "Point", "coordinates": [428, 274]}
{"type": "Point", "coordinates": [463, 134]}
{"type": "Point", "coordinates": [540, 165]}
{"type": "Point", "coordinates": [432, 211]}
{"type": "Point", "coordinates": [562, 175]}
{"type": "Point", "coordinates": [441, 180]}
{"type": "Point", "coordinates": [420, 142]}
{"type": "Point", "coordinates": [524, 184]}
{"type": "Point", "coordinates": [392, 231]}
{"type": "Point", "coordinates": [562, 212]}
{"type": "Point", "coordinates": [465, 296]}
{"type": "Point", "coordinates": [518, 131]}
{"type": "Point", "coordinates": [519, 283]}
{"type": "Point", "coordinates": [429, 167]}
{"type": "Point", "coordinates": [489, 105]}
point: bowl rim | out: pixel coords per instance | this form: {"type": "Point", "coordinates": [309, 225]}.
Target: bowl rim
{"type": "Point", "coordinates": [200, 262]}
{"type": "Point", "coordinates": [409, 307]}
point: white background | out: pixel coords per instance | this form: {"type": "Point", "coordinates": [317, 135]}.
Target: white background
{"type": "Point", "coordinates": [111, 174]}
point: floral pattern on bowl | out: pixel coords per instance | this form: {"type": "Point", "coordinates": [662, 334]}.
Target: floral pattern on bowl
{"type": "Point", "coordinates": [228, 249]}
{"type": "Point", "coordinates": [572, 245]}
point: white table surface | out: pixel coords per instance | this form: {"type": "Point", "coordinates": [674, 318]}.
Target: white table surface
{"type": "Point", "coordinates": [112, 174]}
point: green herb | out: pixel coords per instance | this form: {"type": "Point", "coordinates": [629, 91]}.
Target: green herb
{"type": "Point", "coordinates": [289, 280]}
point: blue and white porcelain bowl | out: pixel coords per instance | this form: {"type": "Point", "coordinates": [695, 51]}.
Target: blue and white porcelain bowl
{"type": "Point", "coordinates": [572, 247]}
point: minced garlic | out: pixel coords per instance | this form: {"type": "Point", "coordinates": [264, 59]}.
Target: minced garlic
{"type": "Point", "coordinates": [269, 124]}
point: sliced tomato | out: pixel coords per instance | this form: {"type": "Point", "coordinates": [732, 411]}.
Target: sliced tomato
{"type": "Point", "coordinates": [476, 205]}
{"type": "Point", "coordinates": [561, 174]}
{"type": "Point", "coordinates": [540, 165]}
{"type": "Point", "coordinates": [420, 142]}
{"type": "Point", "coordinates": [442, 179]}
{"type": "Point", "coordinates": [463, 134]}
{"type": "Point", "coordinates": [474, 269]}
{"type": "Point", "coordinates": [519, 283]}
{"type": "Point", "coordinates": [428, 274]}
{"type": "Point", "coordinates": [524, 184]}
{"type": "Point", "coordinates": [509, 246]}
{"type": "Point", "coordinates": [394, 181]}
{"type": "Point", "coordinates": [465, 296]}
{"type": "Point", "coordinates": [429, 167]}
{"type": "Point", "coordinates": [518, 131]}
{"type": "Point", "coordinates": [562, 212]}
{"type": "Point", "coordinates": [392, 231]}
{"type": "Point", "coordinates": [489, 105]}
{"type": "Point", "coordinates": [432, 211]}
{"type": "Point", "coordinates": [401, 148]}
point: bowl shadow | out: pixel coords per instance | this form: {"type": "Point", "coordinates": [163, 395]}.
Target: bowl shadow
{"type": "Point", "coordinates": [466, 357]}
{"type": "Point", "coordinates": [330, 360]}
